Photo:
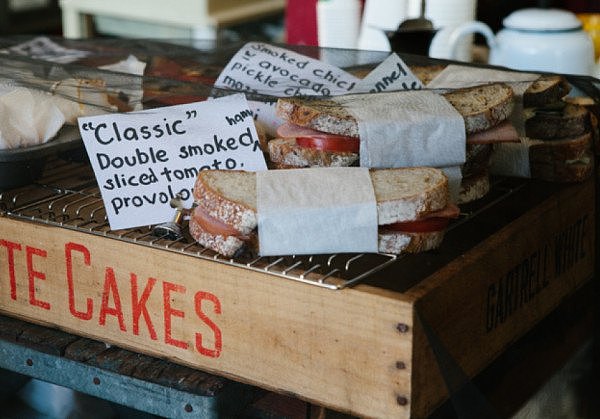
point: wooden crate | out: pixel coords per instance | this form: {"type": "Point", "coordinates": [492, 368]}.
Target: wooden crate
{"type": "Point", "coordinates": [367, 350]}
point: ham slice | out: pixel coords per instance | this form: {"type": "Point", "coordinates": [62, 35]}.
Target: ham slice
{"type": "Point", "coordinates": [502, 133]}
{"type": "Point", "coordinates": [289, 130]}
{"type": "Point", "coordinates": [215, 226]}
{"type": "Point", "coordinates": [450, 211]}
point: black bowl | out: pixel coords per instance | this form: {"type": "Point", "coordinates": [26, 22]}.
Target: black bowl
{"type": "Point", "coordinates": [22, 166]}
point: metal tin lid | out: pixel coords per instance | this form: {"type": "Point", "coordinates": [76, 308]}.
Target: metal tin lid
{"type": "Point", "coordinates": [533, 19]}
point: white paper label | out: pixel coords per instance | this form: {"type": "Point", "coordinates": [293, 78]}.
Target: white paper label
{"type": "Point", "coordinates": [315, 211]}
{"type": "Point", "coordinates": [391, 75]}
{"type": "Point", "coordinates": [144, 159]}
{"type": "Point", "coordinates": [267, 69]}
{"type": "Point", "coordinates": [43, 48]}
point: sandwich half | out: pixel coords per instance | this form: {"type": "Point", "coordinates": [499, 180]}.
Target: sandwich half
{"type": "Point", "coordinates": [413, 210]}
{"type": "Point", "coordinates": [319, 132]}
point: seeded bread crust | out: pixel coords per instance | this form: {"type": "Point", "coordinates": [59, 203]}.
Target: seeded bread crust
{"type": "Point", "coordinates": [388, 242]}
{"type": "Point", "coordinates": [545, 90]}
{"type": "Point", "coordinates": [320, 114]}
{"type": "Point", "coordinates": [401, 195]}
{"type": "Point", "coordinates": [564, 161]}
{"type": "Point", "coordinates": [431, 194]}
{"type": "Point", "coordinates": [397, 242]}
{"type": "Point", "coordinates": [285, 152]}
{"type": "Point", "coordinates": [572, 120]}
{"type": "Point", "coordinates": [562, 172]}
{"type": "Point", "coordinates": [219, 204]}
{"type": "Point", "coordinates": [227, 246]}
{"type": "Point", "coordinates": [474, 187]}
{"type": "Point", "coordinates": [481, 107]}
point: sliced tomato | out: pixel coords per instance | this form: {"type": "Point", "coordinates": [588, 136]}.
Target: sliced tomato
{"type": "Point", "coordinates": [310, 138]}
{"type": "Point", "coordinates": [425, 225]}
{"type": "Point", "coordinates": [213, 225]}
{"type": "Point", "coordinates": [328, 142]}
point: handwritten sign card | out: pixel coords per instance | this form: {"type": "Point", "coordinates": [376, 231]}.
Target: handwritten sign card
{"type": "Point", "coordinates": [267, 69]}
{"type": "Point", "coordinates": [391, 75]}
{"type": "Point", "coordinates": [144, 159]}
{"type": "Point", "coordinates": [278, 72]}
{"type": "Point", "coordinates": [43, 48]}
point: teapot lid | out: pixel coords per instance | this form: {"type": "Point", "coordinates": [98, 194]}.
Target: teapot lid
{"type": "Point", "coordinates": [534, 19]}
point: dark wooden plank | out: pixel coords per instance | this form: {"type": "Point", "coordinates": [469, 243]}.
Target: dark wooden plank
{"type": "Point", "coordinates": [111, 358]}
{"type": "Point", "coordinates": [106, 371]}
{"type": "Point", "coordinates": [84, 349]}
{"type": "Point", "coordinates": [11, 328]}
{"type": "Point", "coordinates": [46, 340]}
{"type": "Point", "coordinates": [536, 356]}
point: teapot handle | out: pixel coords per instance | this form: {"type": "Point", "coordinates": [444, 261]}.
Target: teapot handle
{"type": "Point", "coordinates": [445, 42]}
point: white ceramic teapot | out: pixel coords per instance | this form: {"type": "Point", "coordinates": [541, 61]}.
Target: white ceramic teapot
{"type": "Point", "coordinates": [532, 39]}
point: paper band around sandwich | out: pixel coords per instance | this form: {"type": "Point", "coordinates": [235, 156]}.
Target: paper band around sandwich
{"type": "Point", "coordinates": [512, 158]}
{"type": "Point", "coordinates": [409, 203]}
{"type": "Point", "coordinates": [431, 133]}
{"type": "Point", "coordinates": [324, 210]}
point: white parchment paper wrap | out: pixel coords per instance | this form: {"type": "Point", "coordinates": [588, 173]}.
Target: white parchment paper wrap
{"type": "Point", "coordinates": [508, 159]}
{"type": "Point", "coordinates": [512, 159]}
{"type": "Point", "coordinates": [27, 118]}
{"type": "Point", "coordinates": [312, 211]}
{"type": "Point", "coordinates": [407, 129]}
{"type": "Point", "coordinates": [459, 76]}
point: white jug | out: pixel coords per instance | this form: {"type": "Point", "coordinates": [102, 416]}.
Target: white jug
{"type": "Point", "coordinates": [532, 39]}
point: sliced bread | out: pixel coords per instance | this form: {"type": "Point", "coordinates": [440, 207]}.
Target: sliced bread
{"type": "Point", "coordinates": [391, 242]}
{"type": "Point", "coordinates": [408, 193]}
{"type": "Point", "coordinates": [285, 152]}
{"type": "Point", "coordinates": [395, 242]}
{"type": "Point", "coordinates": [481, 107]}
{"type": "Point", "coordinates": [545, 90]}
{"type": "Point", "coordinates": [474, 187]}
{"type": "Point", "coordinates": [228, 196]}
{"type": "Point", "coordinates": [568, 120]}
{"type": "Point", "coordinates": [567, 160]}
{"type": "Point", "coordinates": [319, 114]}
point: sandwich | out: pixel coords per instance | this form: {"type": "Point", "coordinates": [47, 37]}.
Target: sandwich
{"type": "Point", "coordinates": [558, 133]}
{"type": "Point", "coordinates": [319, 132]}
{"type": "Point", "coordinates": [413, 210]}
{"type": "Point", "coordinates": [561, 142]}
